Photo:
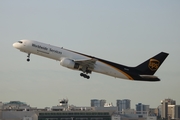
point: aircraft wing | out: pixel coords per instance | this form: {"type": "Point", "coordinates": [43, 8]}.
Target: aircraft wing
{"type": "Point", "coordinates": [86, 63]}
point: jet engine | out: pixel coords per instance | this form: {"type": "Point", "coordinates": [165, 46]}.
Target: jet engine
{"type": "Point", "coordinates": [65, 62]}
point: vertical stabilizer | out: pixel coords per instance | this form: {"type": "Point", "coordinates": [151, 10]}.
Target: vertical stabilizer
{"type": "Point", "coordinates": [150, 66]}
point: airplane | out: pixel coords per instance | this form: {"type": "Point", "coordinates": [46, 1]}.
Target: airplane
{"type": "Point", "coordinates": [88, 64]}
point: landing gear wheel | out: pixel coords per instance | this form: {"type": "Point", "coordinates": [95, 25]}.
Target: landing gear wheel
{"type": "Point", "coordinates": [28, 59]}
{"type": "Point", "coordinates": [84, 75]}
{"type": "Point", "coordinates": [81, 74]}
{"type": "Point", "coordinates": [88, 77]}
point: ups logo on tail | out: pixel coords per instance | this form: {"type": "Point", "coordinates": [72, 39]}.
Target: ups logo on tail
{"type": "Point", "coordinates": [153, 64]}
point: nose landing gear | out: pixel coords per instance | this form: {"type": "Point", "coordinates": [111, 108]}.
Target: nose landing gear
{"type": "Point", "coordinates": [28, 59]}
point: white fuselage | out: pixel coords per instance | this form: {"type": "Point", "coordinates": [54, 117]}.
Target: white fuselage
{"type": "Point", "coordinates": [58, 53]}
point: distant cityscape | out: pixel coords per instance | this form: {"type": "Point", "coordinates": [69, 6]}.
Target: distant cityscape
{"type": "Point", "coordinates": [99, 110]}
{"type": "Point", "coordinates": [166, 110]}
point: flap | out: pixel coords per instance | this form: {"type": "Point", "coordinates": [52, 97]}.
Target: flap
{"type": "Point", "coordinates": [86, 62]}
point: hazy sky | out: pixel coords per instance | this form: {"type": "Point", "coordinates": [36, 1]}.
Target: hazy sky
{"type": "Point", "coordinates": [126, 32]}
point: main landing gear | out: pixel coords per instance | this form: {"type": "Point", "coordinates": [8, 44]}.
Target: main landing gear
{"type": "Point", "coordinates": [28, 57]}
{"type": "Point", "coordinates": [84, 75]}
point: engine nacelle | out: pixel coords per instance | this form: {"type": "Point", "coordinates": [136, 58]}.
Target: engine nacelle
{"type": "Point", "coordinates": [65, 62]}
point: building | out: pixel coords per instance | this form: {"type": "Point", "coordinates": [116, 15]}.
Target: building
{"type": "Point", "coordinates": [164, 108]}
{"type": "Point", "coordinates": [13, 105]}
{"type": "Point", "coordinates": [95, 103]}
{"type": "Point", "coordinates": [123, 104]}
{"type": "Point", "coordinates": [98, 103]}
{"type": "Point", "coordinates": [173, 112]}
{"type": "Point", "coordinates": [16, 110]}
{"type": "Point", "coordinates": [177, 111]}
{"type": "Point", "coordinates": [71, 115]}
{"type": "Point", "coordinates": [153, 111]}
{"type": "Point", "coordinates": [19, 115]}
{"type": "Point", "coordinates": [128, 112]}
{"type": "Point", "coordinates": [102, 103]}
{"type": "Point", "coordinates": [55, 115]}
{"type": "Point", "coordinates": [1, 105]}
{"type": "Point", "coordinates": [119, 105]}
{"type": "Point", "coordinates": [142, 109]}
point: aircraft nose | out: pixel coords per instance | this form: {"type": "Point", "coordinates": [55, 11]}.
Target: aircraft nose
{"type": "Point", "coordinates": [15, 45]}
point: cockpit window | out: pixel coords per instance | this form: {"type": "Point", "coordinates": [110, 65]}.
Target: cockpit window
{"type": "Point", "coordinates": [20, 42]}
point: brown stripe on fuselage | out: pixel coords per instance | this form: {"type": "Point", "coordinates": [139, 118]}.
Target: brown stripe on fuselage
{"type": "Point", "coordinates": [104, 61]}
